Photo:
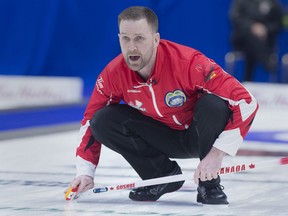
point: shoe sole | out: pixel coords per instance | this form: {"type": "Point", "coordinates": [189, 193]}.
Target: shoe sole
{"type": "Point", "coordinates": [213, 202]}
{"type": "Point", "coordinates": [139, 198]}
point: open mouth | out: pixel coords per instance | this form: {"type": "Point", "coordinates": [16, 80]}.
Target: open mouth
{"type": "Point", "coordinates": [134, 57]}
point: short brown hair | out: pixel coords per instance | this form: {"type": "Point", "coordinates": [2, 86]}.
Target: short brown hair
{"type": "Point", "coordinates": [137, 13]}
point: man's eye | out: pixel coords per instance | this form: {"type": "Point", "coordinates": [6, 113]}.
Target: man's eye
{"type": "Point", "coordinates": [125, 38]}
{"type": "Point", "coordinates": [139, 38]}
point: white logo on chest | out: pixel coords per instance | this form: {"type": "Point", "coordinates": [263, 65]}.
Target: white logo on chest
{"type": "Point", "coordinates": [137, 105]}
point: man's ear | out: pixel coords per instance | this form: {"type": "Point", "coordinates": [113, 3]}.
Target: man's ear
{"type": "Point", "coordinates": [156, 39]}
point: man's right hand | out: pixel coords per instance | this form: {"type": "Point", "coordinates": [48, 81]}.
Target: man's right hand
{"type": "Point", "coordinates": [83, 183]}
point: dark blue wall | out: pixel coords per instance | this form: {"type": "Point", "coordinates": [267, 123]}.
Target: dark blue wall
{"type": "Point", "coordinates": [79, 37]}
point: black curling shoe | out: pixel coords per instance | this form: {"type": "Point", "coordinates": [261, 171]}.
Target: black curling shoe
{"type": "Point", "coordinates": [211, 193]}
{"type": "Point", "coordinates": [153, 193]}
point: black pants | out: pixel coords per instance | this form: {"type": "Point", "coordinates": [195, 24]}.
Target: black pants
{"type": "Point", "coordinates": [148, 144]}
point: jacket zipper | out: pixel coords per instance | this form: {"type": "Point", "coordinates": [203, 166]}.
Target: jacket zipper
{"type": "Point", "coordinates": [152, 94]}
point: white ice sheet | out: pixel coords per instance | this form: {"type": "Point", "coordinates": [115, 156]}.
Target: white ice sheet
{"type": "Point", "coordinates": [34, 172]}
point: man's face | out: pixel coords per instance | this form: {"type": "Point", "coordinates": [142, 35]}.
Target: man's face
{"type": "Point", "coordinates": [137, 42]}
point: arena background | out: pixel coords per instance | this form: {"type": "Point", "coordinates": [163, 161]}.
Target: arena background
{"type": "Point", "coordinates": [79, 37]}
{"type": "Point", "coordinates": [75, 39]}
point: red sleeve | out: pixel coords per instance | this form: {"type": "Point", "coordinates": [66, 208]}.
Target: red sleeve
{"type": "Point", "coordinates": [104, 94]}
{"type": "Point", "coordinates": [211, 78]}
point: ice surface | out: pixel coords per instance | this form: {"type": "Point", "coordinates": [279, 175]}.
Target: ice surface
{"type": "Point", "coordinates": [35, 171]}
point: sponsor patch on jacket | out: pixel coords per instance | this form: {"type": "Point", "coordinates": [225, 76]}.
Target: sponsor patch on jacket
{"type": "Point", "coordinates": [137, 105]}
{"type": "Point", "coordinates": [99, 84]}
{"type": "Point", "coordinates": [175, 99]}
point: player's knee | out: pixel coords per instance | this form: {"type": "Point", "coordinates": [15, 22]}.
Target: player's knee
{"type": "Point", "coordinates": [100, 122]}
{"type": "Point", "coordinates": [214, 107]}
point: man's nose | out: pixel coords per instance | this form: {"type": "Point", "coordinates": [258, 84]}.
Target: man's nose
{"type": "Point", "coordinates": [131, 46]}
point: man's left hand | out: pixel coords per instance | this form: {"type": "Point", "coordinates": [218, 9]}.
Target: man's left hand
{"type": "Point", "coordinates": [209, 167]}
